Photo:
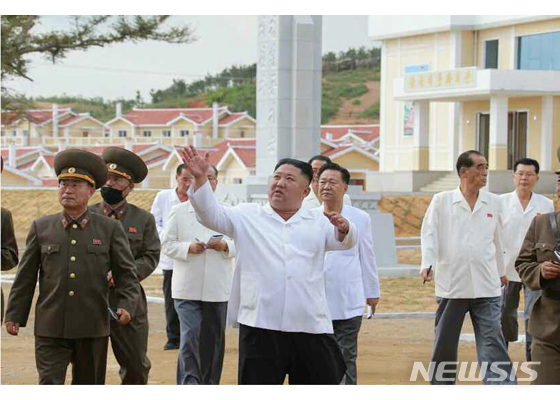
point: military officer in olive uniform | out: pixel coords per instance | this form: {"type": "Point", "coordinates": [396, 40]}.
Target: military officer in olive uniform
{"type": "Point", "coordinates": [539, 268]}
{"type": "Point", "coordinates": [130, 342]}
{"type": "Point", "coordinates": [9, 246]}
{"type": "Point", "coordinates": [71, 253]}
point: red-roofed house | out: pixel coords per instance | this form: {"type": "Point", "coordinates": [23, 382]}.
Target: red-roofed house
{"type": "Point", "coordinates": [179, 125]}
{"type": "Point", "coordinates": [47, 127]}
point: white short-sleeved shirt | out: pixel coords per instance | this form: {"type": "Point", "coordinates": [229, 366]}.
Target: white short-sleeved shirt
{"type": "Point", "coordinates": [163, 203]}
{"type": "Point", "coordinates": [516, 222]}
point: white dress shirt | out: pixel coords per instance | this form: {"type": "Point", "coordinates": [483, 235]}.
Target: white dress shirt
{"type": "Point", "coordinates": [279, 279]}
{"type": "Point", "coordinates": [204, 276]}
{"type": "Point", "coordinates": [516, 222]}
{"type": "Point", "coordinates": [311, 201]}
{"type": "Point", "coordinates": [164, 201]}
{"type": "Point", "coordinates": [352, 274]}
{"type": "Point", "coordinates": [463, 246]}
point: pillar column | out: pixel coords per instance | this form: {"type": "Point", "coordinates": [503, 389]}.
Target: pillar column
{"type": "Point", "coordinates": [420, 151]}
{"type": "Point", "coordinates": [547, 149]}
{"type": "Point", "coordinates": [498, 152]}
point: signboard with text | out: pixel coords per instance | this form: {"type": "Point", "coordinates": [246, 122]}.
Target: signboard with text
{"type": "Point", "coordinates": [438, 80]}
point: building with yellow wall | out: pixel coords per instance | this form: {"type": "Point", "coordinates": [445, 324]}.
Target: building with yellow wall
{"type": "Point", "coordinates": [456, 83]}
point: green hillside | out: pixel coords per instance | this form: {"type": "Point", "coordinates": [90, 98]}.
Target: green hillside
{"type": "Point", "coordinates": [350, 96]}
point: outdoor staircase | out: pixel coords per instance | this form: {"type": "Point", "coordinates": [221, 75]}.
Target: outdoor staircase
{"type": "Point", "coordinates": [447, 182]}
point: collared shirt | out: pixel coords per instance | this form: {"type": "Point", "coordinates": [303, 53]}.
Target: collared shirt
{"type": "Point", "coordinates": [204, 276]}
{"type": "Point", "coordinates": [82, 221]}
{"type": "Point", "coordinates": [352, 274]}
{"type": "Point", "coordinates": [114, 212]}
{"type": "Point", "coordinates": [279, 279]}
{"type": "Point", "coordinates": [516, 222]}
{"type": "Point", "coordinates": [311, 201]}
{"type": "Point", "coordinates": [463, 246]}
{"type": "Point", "coordinates": [164, 201]}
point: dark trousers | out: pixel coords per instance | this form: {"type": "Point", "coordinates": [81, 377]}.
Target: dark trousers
{"type": "Point", "coordinates": [346, 334]}
{"type": "Point", "coordinates": [203, 339]}
{"type": "Point", "coordinates": [548, 355]}
{"type": "Point", "coordinates": [87, 356]}
{"type": "Point", "coordinates": [173, 328]}
{"type": "Point", "coordinates": [130, 346]}
{"type": "Point", "coordinates": [267, 356]}
{"type": "Point", "coordinates": [490, 343]}
{"type": "Point", "coordinates": [510, 304]}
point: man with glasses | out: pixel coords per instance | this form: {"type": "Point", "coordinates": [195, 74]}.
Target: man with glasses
{"type": "Point", "coordinates": [518, 210]}
{"type": "Point", "coordinates": [164, 201]}
{"type": "Point", "coordinates": [201, 285]}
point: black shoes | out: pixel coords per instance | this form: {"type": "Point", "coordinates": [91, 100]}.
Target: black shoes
{"type": "Point", "coordinates": [171, 345]}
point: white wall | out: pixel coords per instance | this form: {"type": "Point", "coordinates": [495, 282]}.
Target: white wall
{"type": "Point", "coordinates": [393, 26]}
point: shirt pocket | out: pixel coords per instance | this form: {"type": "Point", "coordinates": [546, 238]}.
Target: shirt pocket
{"type": "Point", "coordinates": [135, 242]}
{"type": "Point", "coordinates": [98, 250]}
{"type": "Point", "coordinates": [49, 253]}
{"type": "Point", "coordinates": [545, 252]}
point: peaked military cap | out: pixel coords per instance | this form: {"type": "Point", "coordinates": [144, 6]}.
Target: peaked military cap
{"type": "Point", "coordinates": [80, 164]}
{"type": "Point", "coordinates": [125, 163]}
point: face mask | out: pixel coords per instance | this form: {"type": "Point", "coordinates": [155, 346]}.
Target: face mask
{"type": "Point", "coordinates": [111, 195]}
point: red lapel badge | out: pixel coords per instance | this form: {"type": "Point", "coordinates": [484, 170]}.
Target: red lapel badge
{"type": "Point", "coordinates": [97, 242]}
{"type": "Point", "coordinates": [132, 229]}
{"type": "Point", "coordinates": [489, 215]}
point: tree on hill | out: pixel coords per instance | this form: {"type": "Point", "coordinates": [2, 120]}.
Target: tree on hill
{"type": "Point", "coordinates": [20, 40]}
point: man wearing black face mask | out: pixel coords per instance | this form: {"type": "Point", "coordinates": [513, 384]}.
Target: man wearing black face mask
{"type": "Point", "coordinates": [130, 342]}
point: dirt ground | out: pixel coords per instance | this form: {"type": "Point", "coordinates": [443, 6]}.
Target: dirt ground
{"type": "Point", "coordinates": [387, 347]}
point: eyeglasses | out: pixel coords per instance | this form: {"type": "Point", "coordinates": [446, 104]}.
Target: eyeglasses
{"type": "Point", "coordinates": [211, 178]}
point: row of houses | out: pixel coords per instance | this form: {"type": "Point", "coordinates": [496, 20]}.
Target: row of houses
{"type": "Point", "coordinates": [177, 126]}
{"type": "Point", "coordinates": [354, 146]}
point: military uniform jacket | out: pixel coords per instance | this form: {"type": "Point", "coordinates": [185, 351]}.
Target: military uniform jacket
{"type": "Point", "coordinates": [537, 248]}
{"type": "Point", "coordinates": [9, 249]}
{"type": "Point", "coordinates": [72, 268]}
{"type": "Point", "coordinates": [9, 245]}
{"type": "Point", "coordinates": [140, 228]}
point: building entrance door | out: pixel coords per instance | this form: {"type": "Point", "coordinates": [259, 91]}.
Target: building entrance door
{"type": "Point", "coordinates": [517, 136]}
{"type": "Point", "coordinates": [483, 134]}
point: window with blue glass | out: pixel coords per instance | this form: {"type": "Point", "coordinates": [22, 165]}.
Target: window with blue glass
{"type": "Point", "coordinates": [539, 52]}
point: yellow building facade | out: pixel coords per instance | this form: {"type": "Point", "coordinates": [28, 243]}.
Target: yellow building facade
{"type": "Point", "coordinates": [456, 83]}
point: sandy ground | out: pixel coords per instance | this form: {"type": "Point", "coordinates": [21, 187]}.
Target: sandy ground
{"type": "Point", "coordinates": [387, 347]}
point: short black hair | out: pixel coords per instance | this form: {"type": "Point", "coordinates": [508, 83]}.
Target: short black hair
{"type": "Point", "coordinates": [527, 161]}
{"type": "Point", "coordinates": [180, 168]}
{"type": "Point", "coordinates": [335, 167]}
{"type": "Point", "coordinates": [301, 165]}
{"type": "Point", "coordinates": [320, 158]}
{"type": "Point", "coordinates": [465, 160]}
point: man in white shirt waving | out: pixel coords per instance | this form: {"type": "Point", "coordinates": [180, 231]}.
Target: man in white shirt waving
{"type": "Point", "coordinates": [278, 295]}
{"type": "Point", "coordinates": [161, 208]}
{"type": "Point", "coordinates": [201, 284]}
{"type": "Point", "coordinates": [518, 210]}
{"type": "Point", "coordinates": [352, 280]}
{"type": "Point", "coordinates": [461, 242]}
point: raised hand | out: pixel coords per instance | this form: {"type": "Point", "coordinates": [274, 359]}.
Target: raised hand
{"type": "Point", "coordinates": [338, 221]}
{"type": "Point", "coordinates": [197, 164]}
